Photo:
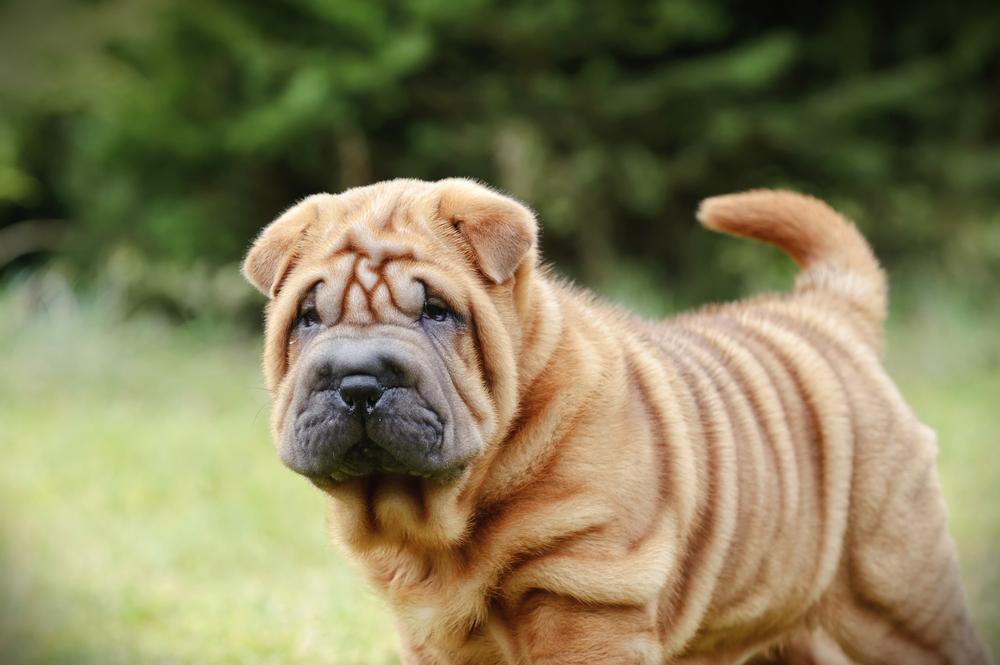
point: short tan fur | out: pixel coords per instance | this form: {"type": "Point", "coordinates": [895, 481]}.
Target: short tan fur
{"type": "Point", "coordinates": [739, 484]}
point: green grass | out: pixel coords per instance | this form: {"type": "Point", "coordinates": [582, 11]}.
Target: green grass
{"type": "Point", "coordinates": [144, 516]}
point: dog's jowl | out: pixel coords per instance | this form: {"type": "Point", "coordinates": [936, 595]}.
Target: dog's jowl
{"type": "Point", "coordinates": [529, 475]}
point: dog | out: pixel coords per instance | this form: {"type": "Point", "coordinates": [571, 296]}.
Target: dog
{"type": "Point", "coordinates": [530, 475]}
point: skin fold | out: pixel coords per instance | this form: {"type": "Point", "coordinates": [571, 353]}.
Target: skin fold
{"type": "Point", "coordinates": [530, 475]}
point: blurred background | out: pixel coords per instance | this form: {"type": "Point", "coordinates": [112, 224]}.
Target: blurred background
{"type": "Point", "coordinates": [143, 144]}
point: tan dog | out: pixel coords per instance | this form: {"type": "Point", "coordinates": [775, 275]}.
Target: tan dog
{"type": "Point", "coordinates": [531, 476]}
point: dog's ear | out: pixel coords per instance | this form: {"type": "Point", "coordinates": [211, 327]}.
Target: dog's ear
{"type": "Point", "coordinates": [276, 250]}
{"type": "Point", "coordinates": [500, 230]}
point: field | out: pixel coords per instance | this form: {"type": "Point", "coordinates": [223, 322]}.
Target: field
{"type": "Point", "coordinates": [144, 517]}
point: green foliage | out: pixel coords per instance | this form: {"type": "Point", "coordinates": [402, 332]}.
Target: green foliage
{"type": "Point", "coordinates": [612, 119]}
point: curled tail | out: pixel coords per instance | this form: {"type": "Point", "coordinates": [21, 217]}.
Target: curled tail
{"type": "Point", "coordinates": [834, 257]}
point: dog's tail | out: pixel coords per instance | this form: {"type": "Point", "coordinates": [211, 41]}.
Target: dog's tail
{"type": "Point", "coordinates": [833, 255]}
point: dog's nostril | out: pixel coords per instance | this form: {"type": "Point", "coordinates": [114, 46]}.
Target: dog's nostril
{"type": "Point", "coordinates": [362, 390]}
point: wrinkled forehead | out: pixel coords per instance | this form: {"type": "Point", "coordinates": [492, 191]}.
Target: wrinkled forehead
{"type": "Point", "coordinates": [381, 221]}
{"type": "Point", "coordinates": [375, 252]}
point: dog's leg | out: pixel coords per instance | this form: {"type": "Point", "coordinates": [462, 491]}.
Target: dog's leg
{"type": "Point", "coordinates": [940, 633]}
{"type": "Point", "coordinates": [873, 636]}
{"type": "Point", "coordinates": [898, 598]}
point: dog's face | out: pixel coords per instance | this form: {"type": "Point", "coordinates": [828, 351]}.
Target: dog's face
{"type": "Point", "coordinates": [388, 334]}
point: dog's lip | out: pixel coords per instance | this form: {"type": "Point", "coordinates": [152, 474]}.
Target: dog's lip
{"type": "Point", "coordinates": [337, 474]}
{"type": "Point", "coordinates": [333, 479]}
{"type": "Point", "coordinates": [328, 483]}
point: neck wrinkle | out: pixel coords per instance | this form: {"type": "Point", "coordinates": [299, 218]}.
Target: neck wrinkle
{"type": "Point", "coordinates": [544, 405]}
{"type": "Point", "coordinates": [544, 332]}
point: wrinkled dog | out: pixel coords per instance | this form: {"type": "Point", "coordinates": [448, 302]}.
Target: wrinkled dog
{"type": "Point", "coordinates": [529, 475]}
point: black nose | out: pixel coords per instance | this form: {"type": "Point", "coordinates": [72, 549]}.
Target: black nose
{"type": "Point", "coordinates": [360, 393]}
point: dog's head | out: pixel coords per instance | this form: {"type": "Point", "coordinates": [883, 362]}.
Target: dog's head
{"type": "Point", "coordinates": [388, 348]}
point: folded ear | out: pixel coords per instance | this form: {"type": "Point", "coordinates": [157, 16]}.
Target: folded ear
{"type": "Point", "coordinates": [499, 229]}
{"type": "Point", "coordinates": [276, 250]}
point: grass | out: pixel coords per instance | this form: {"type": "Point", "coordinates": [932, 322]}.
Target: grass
{"type": "Point", "coordinates": [144, 516]}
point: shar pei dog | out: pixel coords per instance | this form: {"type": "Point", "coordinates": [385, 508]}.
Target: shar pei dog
{"type": "Point", "coordinates": [530, 475]}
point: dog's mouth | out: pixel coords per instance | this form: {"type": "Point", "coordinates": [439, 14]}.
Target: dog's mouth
{"type": "Point", "coordinates": [333, 439]}
{"type": "Point", "coordinates": [367, 457]}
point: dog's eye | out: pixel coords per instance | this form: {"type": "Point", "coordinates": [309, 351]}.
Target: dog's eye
{"type": "Point", "coordinates": [308, 318]}
{"type": "Point", "coordinates": [435, 309]}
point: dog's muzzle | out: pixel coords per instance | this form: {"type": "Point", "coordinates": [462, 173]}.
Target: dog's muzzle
{"type": "Point", "coordinates": [359, 409]}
